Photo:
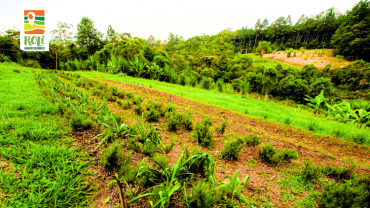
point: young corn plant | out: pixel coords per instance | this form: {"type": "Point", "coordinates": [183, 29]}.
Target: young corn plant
{"type": "Point", "coordinates": [112, 132]}
{"type": "Point", "coordinates": [235, 186]}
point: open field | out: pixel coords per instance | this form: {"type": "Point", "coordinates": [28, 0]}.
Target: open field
{"type": "Point", "coordinates": [309, 57]}
{"type": "Point", "coordinates": [296, 117]}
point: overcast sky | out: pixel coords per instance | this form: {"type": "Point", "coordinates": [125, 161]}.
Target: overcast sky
{"type": "Point", "coordinates": [143, 18]}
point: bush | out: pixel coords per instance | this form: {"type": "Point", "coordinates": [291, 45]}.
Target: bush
{"type": "Point", "coordinates": [138, 110]}
{"type": "Point", "coordinates": [137, 100]}
{"type": "Point", "coordinates": [152, 116]}
{"type": "Point", "coordinates": [121, 94]}
{"type": "Point", "coordinates": [340, 173]}
{"type": "Point", "coordinates": [126, 105]}
{"type": "Point", "coordinates": [203, 133]}
{"type": "Point", "coordinates": [110, 157]}
{"type": "Point", "coordinates": [149, 148]}
{"type": "Point", "coordinates": [272, 156]}
{"type": "Point", "coordinates": [222, 127]}
{"type": "Point", "coordinates": [231, 149]}
{"type": "Point", "coordinates": [355, 193]}
{"type": "Point", "coordinates": [173, 120]}
{"type": "Point", "coordinates": [187, 121]}
{"type": "Point", "coordinates": [170, 108]}
{"type": "Point", "coordinates": [182, 79]}
{"type": "Point", "coordinates": [252, 140]}
{"type": "Point", "coordinates": [206, 83]}
{"type": "Point", "coordinates": [155, 109]}
{"type": "Point", "coordinates": [130, 95]}
{"type": "Point", "coordinates": [311, 172]}
{"type": "Point", "coordinates": [220, 85]}
{"type": "Point", "coordinates": [77, 122]}
{"type": "Point", "coordinates": [202, 195]}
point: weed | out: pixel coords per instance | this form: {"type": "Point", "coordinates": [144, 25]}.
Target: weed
{"type": "Point", "coordinates": [130, 95]}
{"type": "Point", "coordinates": [167, 148]}
{"type": "Point", "coordinates": [312, 126]}
{"type": "Point", "coordinates": [360, 138]}
{"type": "Point", "coordinates": [251, 163]}
{"type": "Point", "coordinates": [187, 121]}
{"type": "Point", "coordinates": [173, 120]}
{"type": "Point", "coordinates": [288, 120]}
{"type": "Point", "coordinates": [137, 100]}
{"type": "Point", "coordinates": [338, 132]}
{"type": "Point", "coordinates": [170, 108]}
{"type": "Point", "coordinates": [133, 144]}
{"type": "Point", "coordinates": [151, 116]}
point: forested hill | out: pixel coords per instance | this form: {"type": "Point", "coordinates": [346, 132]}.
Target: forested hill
{"type": "Point", "coordinates": [348, 34]}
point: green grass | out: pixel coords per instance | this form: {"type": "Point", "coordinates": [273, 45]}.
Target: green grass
{"type": "Point", "coordinates": [271, 111]}
{"type": "Point", "coordinates": [39, 167]}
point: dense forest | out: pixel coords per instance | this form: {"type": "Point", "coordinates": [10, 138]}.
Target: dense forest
{"type": "Point", "coordinates": [216, 59]}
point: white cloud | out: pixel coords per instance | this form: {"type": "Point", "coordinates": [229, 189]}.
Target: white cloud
{"type": "Point", "coordinates": [143, 18]}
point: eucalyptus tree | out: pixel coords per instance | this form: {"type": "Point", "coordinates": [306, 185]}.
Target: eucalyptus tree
{"type": "Point", "coordinates": [88, 36]}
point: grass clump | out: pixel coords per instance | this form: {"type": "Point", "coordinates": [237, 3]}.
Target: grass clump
{"type": "Point", "coordinates": [162, 160]}
{"type": "Point", "coordinates": [77, 122]}
{"type": "Point", "coordinates": [310, 172]}
{"type": "Point", "coordinates": [110, 157]}
{"type": "Point", "coordinates": [231, 149]}
{"type": "Point", "coordinates": [149, 148]}
{"type": "Point", "coordinates": [137, 100]}
{"type": "Point", "coordinates": [273, 156]}
{"type": "Point", "coordinates": [222, 127]}
{"type": "Point", "coordinates": [202, 132]}
{"type": "Point", "coordinates": [175, 120]}
{"type": "Point", "coordinates": [154, 111]}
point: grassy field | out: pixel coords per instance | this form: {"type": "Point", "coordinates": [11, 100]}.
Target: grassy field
{"type": "Point", "coordinates": [38, 167]}
{"type": "Point", "coordinates": [257, 61]}
{"type": "Point", "coordinates": [271, 111]}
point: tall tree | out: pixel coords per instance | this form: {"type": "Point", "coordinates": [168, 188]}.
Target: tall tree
{"type": "Point", "coordinates": [88, 36]}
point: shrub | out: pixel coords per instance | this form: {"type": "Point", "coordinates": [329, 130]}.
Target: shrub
{"type": "Point", "coordinates": [173, 120]}
{"type": "Point", "coordinates": [162, 160]}
{"type": "Point", "coordinates": [138, 110]}
{"type": "Point", "coordinates": [149, 148]}
{"type": "Point", "coordinates": [130, 95]}
{"type": "Point", "coordinates": [182, 79]}
{"type": "Point", "coordinates": [187, 121]}
{"type": "Point", "coordinates": [151, 116]}
{"type": "Point", "coordinates": [206, 83]}
{"type": "Point", "coordinates": [220, 85]}
{"type": "Point", "coordinates": [272, 156]}
{"type": "Point", "coordinates": [354, 193]}
{"type": "Point", "coordinates": [222, 127]}
{"type": "Point", "coordinates": [109, 96]}
{"type": "Point", "coordinates": [340, 173]}
{"type": "Point", "coordinates": [231, 149]}
{"type": "Point", "coordinates": [170, 108]}
{"type": "Point", "coordinates": [110, 157]}
{"type": "Point", "coordinates": [137, 100]}
{"type": "Point", "coordinates": [121, 94]}
{"type": "Point", "coordinates": [192, 81]}
{"type": "Point", "coordinates": [77, 122]}
{"type": "Point", "coordinates": [311, 172]}
{"type": "Point", "coordinates": [203, 133]}
{"type": "Point", "coordinates": [155, 106]}
{"type": "Point", "coordinates": [252, 140]}
{"type": "Point", "coordinates": [126, 105]}
{"type": "Point", "coordinates": [202, 195]}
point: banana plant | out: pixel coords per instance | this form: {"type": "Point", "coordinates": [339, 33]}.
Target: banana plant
{"type": "Point", "coordinates": [155, 71]}
{"type": "Point", "coordinates": [363, 117]}
{"type": "Point", "coordinates": [137, 67]}
{"type": "Point", "coordinates": [317, 102]}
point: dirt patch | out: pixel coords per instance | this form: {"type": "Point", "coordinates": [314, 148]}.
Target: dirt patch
{"type": "Point", "coordinates": [304, 59]}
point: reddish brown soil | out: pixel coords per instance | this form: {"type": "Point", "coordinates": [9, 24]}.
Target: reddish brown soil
{"type": "Point", "coordinates": [262, 183]}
